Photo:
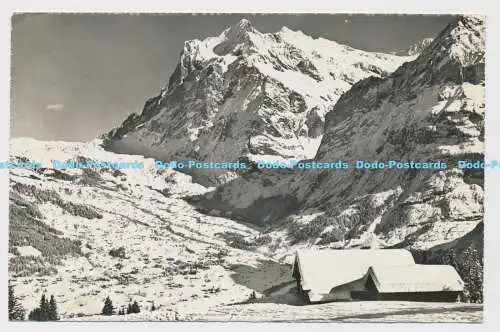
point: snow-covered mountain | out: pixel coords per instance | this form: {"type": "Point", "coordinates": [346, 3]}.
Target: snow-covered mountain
{"type": "Point", "coordinates": [430, 109]}
{"type": "Point", "coordinates": [250, 95]}
{"type": "Point", "coordinates": [131, 234]}
{"type": "Point", "coordinates": [416, 48]}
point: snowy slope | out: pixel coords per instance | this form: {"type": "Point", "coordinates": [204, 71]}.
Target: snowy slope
{"type": "Point", "coordinates": [339, 312]}
{"type": "Point", "coordinates": [430, 109]}
{"type": "Point", "coordinates": [173, 255]}
{"type": "Point", "coordinates": [246, 94]}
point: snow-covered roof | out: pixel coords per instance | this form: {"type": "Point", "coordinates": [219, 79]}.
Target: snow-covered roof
{"type": "Point", "coordinates": [416, 278]}
{"type": "Point", "coordinates": [322, 270]}
{"type": "Point", "coordinates": [28, 251]}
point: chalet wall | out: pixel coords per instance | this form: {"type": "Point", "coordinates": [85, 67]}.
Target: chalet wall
{"type": "Point", "coordinates": [341, 293]}
{"type": "Point", "coordinates": [422, 296]}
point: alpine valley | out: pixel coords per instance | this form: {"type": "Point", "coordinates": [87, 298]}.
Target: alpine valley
{"type": "Point", "coordinates": [218, 244]}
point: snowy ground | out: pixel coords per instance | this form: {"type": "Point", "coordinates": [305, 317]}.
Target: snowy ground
{"type": "Point", "coordinates": [370, 311]}
{"type": "Point", "coordinates": [347, 312]}
{"type": "Point", "coordinates": [175, 256]}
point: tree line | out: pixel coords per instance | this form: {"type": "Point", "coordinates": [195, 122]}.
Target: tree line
{"type": "Point", "coordinates": [46, 311]}
{"type": "Point", "coordinates": [132, 308]}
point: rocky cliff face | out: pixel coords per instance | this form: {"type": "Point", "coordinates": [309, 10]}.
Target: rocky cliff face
{"type": "Point", "coordinates": [431, 109]}
{"type": "Point", "coordinates": [248, 95]}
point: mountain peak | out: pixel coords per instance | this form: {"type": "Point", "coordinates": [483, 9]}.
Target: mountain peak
{"type": "Point", "coordinates": [417, 47]}
{"type": "Point", "coordinates": [457, 54]}
{"type": "Point", "coordinates": [238, 35]}
{"type": "Point", "coordinates": [462, 42]}
{"type": "Point", "coordinates": [286, 29]}
{"type": "Point", "coordinates": [243, 93]}
{"type": "Point", "coordinates": [242, 26]}
{"type": "Point", "coordinates": [471, 19]}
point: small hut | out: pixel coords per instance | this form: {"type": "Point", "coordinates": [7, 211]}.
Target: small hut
{"type": "Point", "coordinates": [330, 275]}
{"type": "Point", "coordinates": [437, 283]}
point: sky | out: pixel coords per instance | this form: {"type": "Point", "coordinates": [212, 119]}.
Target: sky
{"type": "Point", "coordinates": [76, 76]}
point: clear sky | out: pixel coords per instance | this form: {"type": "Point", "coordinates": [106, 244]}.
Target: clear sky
{"type": "Point", "coordinates": [76, 76]}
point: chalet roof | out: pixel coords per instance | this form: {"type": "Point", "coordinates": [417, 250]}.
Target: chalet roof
{"type": "Point", "coordinates": [416, 278]}
{"type": "Point", "coordinates": [322, 270]}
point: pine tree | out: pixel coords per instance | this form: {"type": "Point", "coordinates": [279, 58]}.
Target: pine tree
{"type": "Point", "coordinates": [44, 308]}
{"type": "Point", "coordinates": [135, 308]}
{"type": "Point", "coordinates": [129, 308]}
{"type": "Point", "coordinates": [472, 270]}
{"type": "Point", "coordinates": [35, 314]}
{"type": "Point", "coordinates": [52, 314]}
{"type": "Point", "coordinates": [153, 308]}
{"type": "Point", "coordinates": [42, 312]}
{"type": "Point", "coordinates": [108, 309]}
{"type": "Point", "coordinates": [16, 310]}
{"type": "Point", "coordinates": [46, 311]}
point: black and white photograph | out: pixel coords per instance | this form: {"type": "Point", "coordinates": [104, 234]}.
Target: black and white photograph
{"type": "Point", "coordinates": [261, 167]}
